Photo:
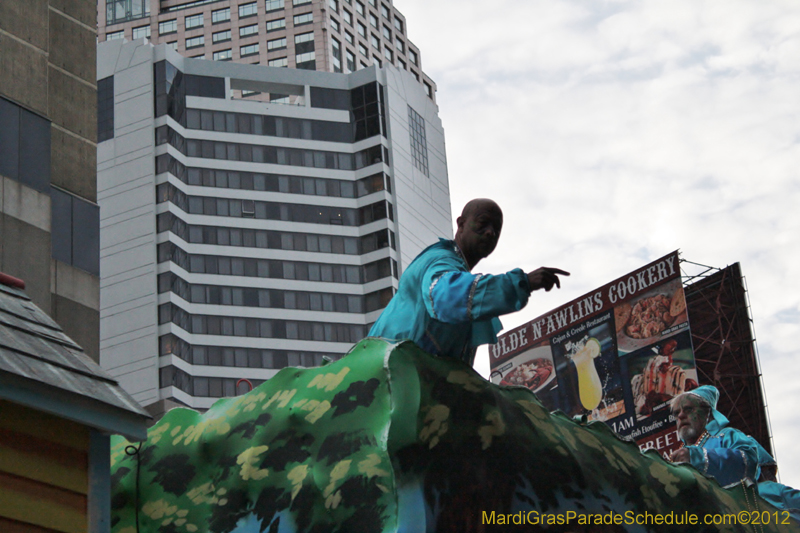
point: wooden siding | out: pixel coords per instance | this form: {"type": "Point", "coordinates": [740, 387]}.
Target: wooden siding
{"type": "Point", "coordinates": [43, 472]}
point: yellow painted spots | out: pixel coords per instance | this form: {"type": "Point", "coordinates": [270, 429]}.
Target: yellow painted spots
{"type": "Point", "coordinates": [297, 475]}
{"type": "Point", "coordinates": [494, 428]}
{"type": "Point", "coordinates": [369, 466]}
{"type": "Point", "coordinates": [248, 460]}
{"type": "Point", "coordinates": [191, 434]}
{"type": "Point", "coordinates": [328, 382]}
{"type": "Point", "coordinates": [159, 509]}
{"type": "Point", "coordinates": [435, 425]}
{"type": "Point", "coordinates": [332, 499]}
{"type": "Point", "coordinates": [667, 478]}
{"type": "Point", "coordinates": [207, 493]}
{"type": "Point", "coordinates": [280, 399]}
{"type": "Point", "coordinates": [155, 434]}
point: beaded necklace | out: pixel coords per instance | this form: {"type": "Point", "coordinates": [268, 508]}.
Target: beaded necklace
{"type": "Point", "coordinates": [699, 442]}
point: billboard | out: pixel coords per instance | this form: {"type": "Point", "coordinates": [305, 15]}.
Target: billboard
{"type": "Point", "coordinates": [618, 354]}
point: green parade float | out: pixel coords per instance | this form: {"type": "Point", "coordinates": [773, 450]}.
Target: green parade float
{"type": "Point", "coordinates": [391, 439]}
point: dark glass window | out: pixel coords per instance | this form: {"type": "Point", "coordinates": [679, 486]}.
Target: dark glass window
{"type": "Point", "coordinates": [330, 98]}
{"type": "Point", "coordinates": [105, 109]}
{"type": "Point", "coordinates": [75, 236]}
{"type": "Point", "coordinates": [61, 224]}
{"type": "Point", "coordinates": [9, 139]}
{"type": "Point", "coordinates": [34, 151]}
{"type": "Point", "coordinates": [419, 145]}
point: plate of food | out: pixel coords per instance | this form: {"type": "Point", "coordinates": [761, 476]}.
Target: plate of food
{"type": "Point", "coordinates": [534, 374]}
{"type": "Point", "coordinates": [640, 322]}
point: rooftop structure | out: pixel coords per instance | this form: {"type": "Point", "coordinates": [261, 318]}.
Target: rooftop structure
{"type": "Point", "coordinates": [327, 35]}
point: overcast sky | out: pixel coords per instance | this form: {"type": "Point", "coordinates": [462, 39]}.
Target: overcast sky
{"type": "Point", "coordinates": [615, 132]}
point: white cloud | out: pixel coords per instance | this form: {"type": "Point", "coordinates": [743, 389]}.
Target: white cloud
{"type": "Point", "coordinates": [615, 132]}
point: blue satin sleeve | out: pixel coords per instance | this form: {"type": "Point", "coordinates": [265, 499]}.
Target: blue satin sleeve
{"type": "Point", "coordinates": [728, 459]}
{"type": "Point", "coordinates": [455, 296]}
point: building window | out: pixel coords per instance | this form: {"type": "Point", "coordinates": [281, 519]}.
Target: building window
{"type": "Point", "coordinates": [363, 50]}
{"type": "Point", "coordinates": [428, 89]}
{"type": "Point", "coordinates": [372, 3]}
{"type": "Point", "coordinates": [419, 144]}
{"type": "Point", "coordinates": [105, 109]}
{"type": "Point", "coordinates": [223, 55]}
{"type": "Point", "coordinates": [376, 43]}
{"type": "Point", "coordinates": [304, 37]}
{"type": "Point", "coordinates": [248, 10]}
{"type": "Point", "coordinates": [173, 45]}
{"type": "Point", "coordinates": [275, 25]}
{"type": "Point", "coordinates": [249, 50]}
{"type": "Point", "coordinates": [387, 33]}
{"type": "Point", "coordinates": [360, 8]}
{"type": "Point", "coordinates": [335, 24]}
{"type": "Point", "coordinates": [388, 55]}
{"type": "Point", "coordinates": [305, 18]}
{"type": "Point", "coordinates": [304, 58]}
{"type": "Point", "coordinates": [300, 2]}
{"type": "Point", "coordinates": [385, 12]}
{"type": "Point", "coordinates": [334, 5]}
{"type": "Point", "coordinates": [274, 5]}
{"type": "Point", "coordinates": [221, 36]}
{"type": "Point", "coordinates": [362, 30]}
{"type": "Point", "coordinates": [412, 56]}
{"type": "Point", "coordinates": [416, 75]}
{"type": "Point", "coordinates": [351, 61]}
{"type": "Point", "coordinates": [194, 42]}
{"type": "Point", "coordinates": [115, 35]}
{"type": "Point", "coordinates": [401, 63]}
{"type": "Point", "coordinates": [167, 26]}
{"type": "Point", "coordinates": [336, 48]}
{"type": "Point", "coordinates": [124, 10]}
{"type": "Point", "coordinates": [347, 16]}
{"type": "Point", "coordinates": [398, 24]}
{"type": "Point", "coordinates": [361, 65]}
{"type": "Point", "coordinates": [141, 31]}
{"type": "Point", "coordinates": [348, 37]}
{"type": "Point", "coordinates": [221, 15]}
{"type": "Point", "coordinates": [194, 21]}
{"type": "Point", "coordinates": [278, 62]}
{"type": "Point", "coordinates": [245, 31]}
{"type": "Point", "coordinates": [377, 61]}
{"type": "Point", "coordinates": [400, 45]}
{"type": "Point", "coordinates": [373, 20]}
{"type": "Point", "coordinates": [276, 44]}
{"type": "Point", "coordinates": [75, 238]}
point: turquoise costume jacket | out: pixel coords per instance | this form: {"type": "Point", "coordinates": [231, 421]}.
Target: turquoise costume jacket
{"type": "Point", "coordinates": [726, 454]}
{"type": "Point", "coordinates": [780, 495]}
{"type": "Point", "coordinates": [447, 310]}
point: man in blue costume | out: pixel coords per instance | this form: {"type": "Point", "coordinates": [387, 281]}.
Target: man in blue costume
{"type": "Point", "coordinates": [709, 445]}
{"type": "Point", "coordinates": [447, 310]}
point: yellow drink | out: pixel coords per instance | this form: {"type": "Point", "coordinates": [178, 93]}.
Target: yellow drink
{"type": "Point", "coordinates": [589, 386]}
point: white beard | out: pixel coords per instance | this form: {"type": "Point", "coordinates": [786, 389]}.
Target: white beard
{"type": "Point", "coordinates": [688, 434]}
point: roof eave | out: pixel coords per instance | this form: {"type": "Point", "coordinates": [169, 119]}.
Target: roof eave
{"type": "Point", "coordinates": [80, 409]}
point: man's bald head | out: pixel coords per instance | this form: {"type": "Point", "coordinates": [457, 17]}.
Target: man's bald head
{"type": "Point", "coordinates": [478, 204]}
{"type": "Point", "coordinates": [478, 229]}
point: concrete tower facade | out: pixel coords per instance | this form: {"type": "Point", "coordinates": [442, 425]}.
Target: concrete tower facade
{"type": "Point", "coordinates": [49, 230]}
{"type": "Point", "coordinates": [252, 217]}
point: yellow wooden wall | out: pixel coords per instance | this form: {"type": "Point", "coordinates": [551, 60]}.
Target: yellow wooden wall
{"type": "Point", "coordinates": [44, 463]}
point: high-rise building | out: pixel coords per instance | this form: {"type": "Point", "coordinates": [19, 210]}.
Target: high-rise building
{"type": "Point", "coordinates": [253, 217]}
{"type": "Point", "coordinates": [328, 35]}
{"type": "Point", "coordinates": [49, 225]}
